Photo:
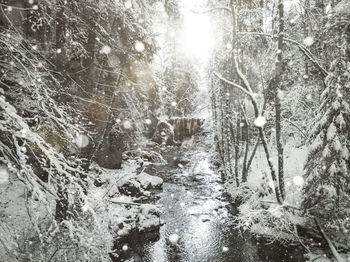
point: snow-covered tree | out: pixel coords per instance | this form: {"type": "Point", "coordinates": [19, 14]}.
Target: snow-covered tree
{"type": "Point", "coordinates": [327, 168]}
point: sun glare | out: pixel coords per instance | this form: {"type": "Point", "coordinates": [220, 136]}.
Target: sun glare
{"type": "Point", "coordinates": [197, 37]}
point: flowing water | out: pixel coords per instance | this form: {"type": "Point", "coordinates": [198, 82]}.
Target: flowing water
{"type": "Point", "coordinates": [194, 207]}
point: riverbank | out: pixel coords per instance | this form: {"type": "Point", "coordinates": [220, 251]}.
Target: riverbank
{"type": "Point", "coordinates": [195, 209]}
{"type": "Point", "coordinates": [117, 204]}
{"type": "Point", "coordinates": [261, 215]}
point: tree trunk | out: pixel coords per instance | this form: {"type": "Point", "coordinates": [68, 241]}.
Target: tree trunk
{"type": "Point", "coordinates": [278, 100]}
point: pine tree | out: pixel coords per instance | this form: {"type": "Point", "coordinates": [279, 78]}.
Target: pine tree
{"type": "Point", "coordinates": [327, 166]}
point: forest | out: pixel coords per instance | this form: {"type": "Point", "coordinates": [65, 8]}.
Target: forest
{"type": "Point", "coordinates": [174, 130]}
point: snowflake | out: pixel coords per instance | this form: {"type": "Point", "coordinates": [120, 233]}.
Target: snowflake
{"type": "Point", "coordinates": [308, 41]}
{"type": "Point", "coordinates": [148, 121]}
{"type": "Point", "coordinates": [128, 4]}
{"type": "Point", "coordinates": [224, 249]}
{"type": "Point", "coordinates": [174, 239]}
{"type": "Point", "coordinates": [82, 140]}
{"type": "Point", "coordinates": [139, 46]}
{"type": "Point", "coordinates": [280, 94]}
{"type": "Point", "coordinates": [127, 124]}
{"type": "Point", "coordinates": [298, 180]}
{"type": "Point", "coordinates": [173, 104]}
{"type": "Point", "coordinates": [125, 247]}
{"type": "Point", "coordinates": [105, 50]}
{"type": "Point", "coordinates": [260, 121]}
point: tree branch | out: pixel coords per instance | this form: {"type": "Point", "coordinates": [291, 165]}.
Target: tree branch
{"type": "Point", "coordinates": [302, 48]}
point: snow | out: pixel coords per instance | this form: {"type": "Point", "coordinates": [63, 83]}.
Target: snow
{"type": "Point", "coordinates": [260, 121]}
{"type": "Point", "coordinates": [105, 50]}
{"type": "Point", "coordinates": [125, 218]}
{"type": "Point", "coordinates": [139, 46]}
{"type": "Point", "coordinates": [128, 4]}
{"type": "Point", "coordinates": [308, 41]}
{"type": "Point", "coordinates": [149, 182]}
{"type": "Point", "coordinates": [125, 248]}
{"type": "Point", "coordinates": [174, 238]}
{"type": "Point", "coordinates": [4, 175]}
{"type": "Point", "coordinates": [298, 180]}
{"type": "Point", "coordinates": [225, 249]}
{"type": "Point", "coordinates": [127, 124]}
{"type": "Point", "coordinates": [82, 140]}
{"type": "Point", "coordinates": [148, 218]}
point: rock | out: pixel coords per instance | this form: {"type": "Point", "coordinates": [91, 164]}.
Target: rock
{"type": "Point", "coordinates": [149, 156]}
{"type": "Point", "coordinates": [130, 188]}
{"type": "Point", "coordinates": [149, 182]}
{"type": "Point", "coordinates": [149, 218]}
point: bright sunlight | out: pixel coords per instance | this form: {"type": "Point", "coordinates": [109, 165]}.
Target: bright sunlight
{"type": "Point", "coordinates": [198, 40]}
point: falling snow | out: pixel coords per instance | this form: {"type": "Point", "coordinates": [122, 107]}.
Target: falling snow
{"type": "Point", "coordinates": [260, 121]}
{"type": "Point", "coordinates": [82, 140]}
{"type": "Point", "coordinates": [174, 239]}
{"type": "Point", "coordinates": [105, 50]}
{"type": "Point", "coordinates": [121, 118]}
{"type": "Point", "coordinates": [308, 41]}
{"type": "Point", "coordinates": [139, 46]}
{"type": "Point", "coordinates": [127, 124]}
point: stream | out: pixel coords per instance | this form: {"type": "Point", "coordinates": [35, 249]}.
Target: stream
{"type": "Point", "coordinates": [194, 207]}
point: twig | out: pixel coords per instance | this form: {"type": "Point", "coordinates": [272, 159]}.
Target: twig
{"type": "Point", "coordinates": [125, 203]}
{"type": "Point", "coordinates": [296, 126]}
{"type": "Point", "coordinates": [302, 48]}
{"type": "Point", "coordinates": [53, 254]}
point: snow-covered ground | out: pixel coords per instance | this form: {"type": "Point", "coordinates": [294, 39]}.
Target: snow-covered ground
{"type": "Point", "coordinates": [119, 199]}
{"type": "Point", "coordinates": [114, 204]}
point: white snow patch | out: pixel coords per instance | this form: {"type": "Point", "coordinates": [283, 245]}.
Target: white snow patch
{"type": "Point", "coordinates": [4, 175]}
{"type": "Point", "coordinates": [148, 182]}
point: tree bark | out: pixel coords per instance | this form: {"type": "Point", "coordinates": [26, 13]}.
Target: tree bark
{"type": "Point", "coordinates": [278, 100]}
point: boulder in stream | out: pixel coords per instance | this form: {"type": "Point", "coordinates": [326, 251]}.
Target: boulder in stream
{"type": "Point", "coordinates": [130, 188]}
{"type": "Point", "coordinates": [149, 218]}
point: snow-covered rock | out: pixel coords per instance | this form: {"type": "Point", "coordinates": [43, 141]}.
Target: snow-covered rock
{"type": "Point", "coordinates": [149, 182]}
{"type": "Point", "coordinates": [149, 156]}
{"type": "Point", "coordinates": [130, 188]}
{"type": "Point", "coordinates": [149, 218]}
